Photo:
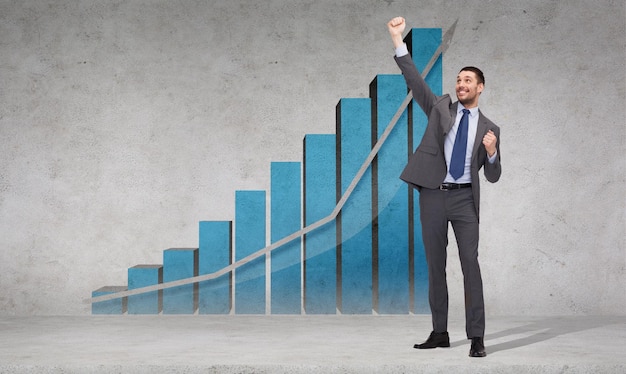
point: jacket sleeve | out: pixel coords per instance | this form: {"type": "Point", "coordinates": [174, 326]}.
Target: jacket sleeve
{"type": "Point", "coordinates": [493, 171]}
{"type": "Point", "coordinates": [422, 93]}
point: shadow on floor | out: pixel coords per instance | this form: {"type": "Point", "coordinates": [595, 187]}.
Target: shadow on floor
{"type": "Point", "coordinates": [544, 329]}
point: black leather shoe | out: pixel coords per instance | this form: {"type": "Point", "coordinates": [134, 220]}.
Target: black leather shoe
{"type": "Point", "coordinates": [478, 348]}
{"type": "Point", "coordinates": [436, 339]}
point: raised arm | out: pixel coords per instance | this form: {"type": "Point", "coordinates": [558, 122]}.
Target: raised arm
{"type": "Point", "coordinates": [421, 91]}
{"type": "Point", "coordinates": [396, 28]}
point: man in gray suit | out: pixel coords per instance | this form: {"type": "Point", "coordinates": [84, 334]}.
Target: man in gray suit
{"type": "Point", "coordinates": [459, 140]}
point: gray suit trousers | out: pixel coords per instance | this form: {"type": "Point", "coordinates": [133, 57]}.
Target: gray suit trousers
{"type": "Point", "coordinates": [437, 208]}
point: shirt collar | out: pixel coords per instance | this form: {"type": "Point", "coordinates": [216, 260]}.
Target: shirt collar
{"type": "Point", "coordinates": [473, 111]}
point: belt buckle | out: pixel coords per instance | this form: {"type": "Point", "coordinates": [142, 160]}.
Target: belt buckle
{"type": "Point", "coordinates": [443, 187]}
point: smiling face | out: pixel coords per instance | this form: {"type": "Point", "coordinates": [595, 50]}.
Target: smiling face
{"type": "Point", "coordinates": [468, 88]}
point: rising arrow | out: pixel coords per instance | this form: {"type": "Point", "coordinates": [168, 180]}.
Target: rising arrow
{"type": "Point", "coordinates": [445, 43]}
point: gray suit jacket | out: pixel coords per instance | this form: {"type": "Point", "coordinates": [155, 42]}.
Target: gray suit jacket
{"type": "Point", "coordinates": [427, 166]}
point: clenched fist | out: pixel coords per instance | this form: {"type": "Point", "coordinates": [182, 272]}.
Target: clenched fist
{"type": "Point", "coordinates": [489, 141]}
{"type": "Point", "coordinates": [396, 28]}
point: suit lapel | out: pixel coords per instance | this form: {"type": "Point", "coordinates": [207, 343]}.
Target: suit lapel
{"type": "Point", "coordinates": [453, 112]}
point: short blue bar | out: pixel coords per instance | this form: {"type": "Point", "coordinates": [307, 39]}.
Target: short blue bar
{"type": "Point", "coordinates": [215, 253]}
{"type": "Point", "coordinates": [422, 43]}
{"type": "Point", "coordinates": [180, 263]}
{"type": "Point", "coordinates": [354, 143]}
{"type": "Point", "coordinates": [143, 276]}
{"type": "Point", "coordinates": [115, 306]}
{"type": "Point", "coordinates": [320, 245]}
{"type": "Point", "coordinates": [392, 199]}
{"type": "Point", "coordinates": [286, 215]}
{"type": "Point", "coordinates": [250, 223]}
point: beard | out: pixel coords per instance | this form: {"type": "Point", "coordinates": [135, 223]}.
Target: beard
{"type": "Point", "coordinates": [468, 99]}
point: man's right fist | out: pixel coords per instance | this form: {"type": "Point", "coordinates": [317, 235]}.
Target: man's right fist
{"type": "Point", "coordinates": [396, 26]}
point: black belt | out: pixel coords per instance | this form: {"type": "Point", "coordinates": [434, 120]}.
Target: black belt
{"type": "Point", "coordinates": [454, 186]}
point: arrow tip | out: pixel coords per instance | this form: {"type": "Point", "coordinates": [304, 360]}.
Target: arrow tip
{"type": "Point", "coordinates": [447, 37]}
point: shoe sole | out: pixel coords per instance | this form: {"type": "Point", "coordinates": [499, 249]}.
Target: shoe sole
{"type": "Point", "coordinates": [484, 354]}
{"type": "Point", "coordinates": [420, 346]}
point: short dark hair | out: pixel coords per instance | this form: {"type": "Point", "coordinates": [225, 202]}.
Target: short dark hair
{"type": "Point", "coordinates": [477, 71]}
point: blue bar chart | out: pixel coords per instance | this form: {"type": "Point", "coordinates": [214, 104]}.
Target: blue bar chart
{"type": "Point", "coordinates": [142, 276]}
{"type": "Point", "coordinates": [215, 253]}
{"type": "Point", "coordinates": [115, 306]}
{"type": "Point", "coordinates": [354, 233]}
{"type": "Point", "coordinates": [390, 201]}
{"type": "Point", "coordinates": [250, 221]}
{"type": "Point", "coordinates": [368, 259]}
{"type": "Point", "coordinates": [320, 247]}
{"type": "Point", "coordinates": [286, 216]}
{"type": "Point", "coordinates": [180, 263]}
{"type": "Point", "coordinates": [422, 43]}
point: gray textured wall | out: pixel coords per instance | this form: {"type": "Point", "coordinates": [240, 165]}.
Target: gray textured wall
{"type": "Point", "coordinates": [124, 123]}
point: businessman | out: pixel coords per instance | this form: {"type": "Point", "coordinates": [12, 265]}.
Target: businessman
{"type": "Point", "coordinates": [459, 140]}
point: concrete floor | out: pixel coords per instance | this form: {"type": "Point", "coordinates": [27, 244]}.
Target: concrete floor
{"type": "Point", "coordinates": [304, 344]}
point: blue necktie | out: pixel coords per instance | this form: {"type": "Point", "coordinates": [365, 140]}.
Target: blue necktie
{"type": "Point", "coordinates": [457, 163]}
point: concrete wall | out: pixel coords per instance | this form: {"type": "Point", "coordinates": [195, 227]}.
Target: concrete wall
{"type": "Point", "coordinates": [124, 123]}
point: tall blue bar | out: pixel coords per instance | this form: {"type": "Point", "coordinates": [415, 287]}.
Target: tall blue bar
{"type": "Point", "coordinates": [115, 306]}
{"type": "Point", "coordinates": [180, 263]}
{"type": "Point", "coordinates": [143, 276]}
{"type": "Point", "coordinates": [391, 199]}
{"type": "Point", "coordinates": [215, 253]}
{"type": "Point", "coordinates": [422, 43]}
{"type": "Point", "coordinates": [354, 143]}
{"type": "Point", "coordinates": [250, 223]}
{"type": "Point", "coordinates": [320, 246]}
{"type": "Point", "coordinates": [286, 216]}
